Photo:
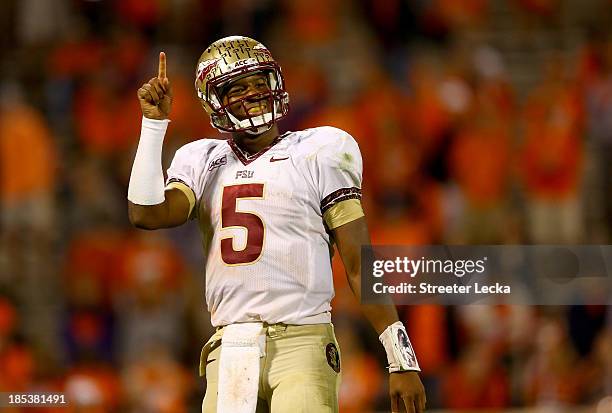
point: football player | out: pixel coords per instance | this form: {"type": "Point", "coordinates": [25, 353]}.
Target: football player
{"type": "Point", "coordinates": [269, 206]}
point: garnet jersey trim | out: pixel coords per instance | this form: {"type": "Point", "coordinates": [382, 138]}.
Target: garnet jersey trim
{"type": "Point", "coordinates": [338, 196]}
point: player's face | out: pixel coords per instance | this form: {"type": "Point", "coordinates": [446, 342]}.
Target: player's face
{"type": "Point", "coordinates": [251, 94]}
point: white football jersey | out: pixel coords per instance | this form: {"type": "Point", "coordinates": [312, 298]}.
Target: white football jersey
{"type": "Point", "coordinates": [268, 253]}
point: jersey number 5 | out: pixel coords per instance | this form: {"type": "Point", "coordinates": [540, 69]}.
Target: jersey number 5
{"type": "Point", "coordinates": [231, 218]}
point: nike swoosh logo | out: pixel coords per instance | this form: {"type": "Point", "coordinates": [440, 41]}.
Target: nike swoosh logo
{"type": "Point", "coordinates": [272, 159]}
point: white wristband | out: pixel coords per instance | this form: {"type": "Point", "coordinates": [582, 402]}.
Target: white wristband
{"type": "Point", "coordinates": [147, 179]}
{"type": "Point", "coordinates": [400, 353]}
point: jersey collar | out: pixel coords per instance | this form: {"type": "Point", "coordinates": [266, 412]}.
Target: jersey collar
{"type": "Point", "coordinates": [245, 157]}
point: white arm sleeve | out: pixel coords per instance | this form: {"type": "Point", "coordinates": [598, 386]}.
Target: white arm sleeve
{"type": "Point", "coordinates": [146, 185]}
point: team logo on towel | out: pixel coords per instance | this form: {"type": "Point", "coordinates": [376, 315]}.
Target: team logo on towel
{"type": "Point", "coordinates": [333, 357]}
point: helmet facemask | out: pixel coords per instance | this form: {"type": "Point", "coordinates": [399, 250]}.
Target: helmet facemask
{"type": "Point", "coordinates": [275, 99]}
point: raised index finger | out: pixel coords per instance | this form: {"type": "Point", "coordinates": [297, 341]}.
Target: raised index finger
{"type": "Point", "coordinates": [162, 66]}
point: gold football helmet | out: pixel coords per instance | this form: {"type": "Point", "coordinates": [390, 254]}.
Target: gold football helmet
{"type": "Point", "coordinates": [230, 59]}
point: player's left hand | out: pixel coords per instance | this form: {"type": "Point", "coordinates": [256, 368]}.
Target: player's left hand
{"type": "Point", "coordinates": [406, 388]}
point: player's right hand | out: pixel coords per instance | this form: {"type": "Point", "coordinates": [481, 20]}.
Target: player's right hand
{"type": "Point", "coordinates": [155, 96]}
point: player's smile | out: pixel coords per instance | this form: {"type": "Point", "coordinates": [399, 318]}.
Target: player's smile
{"type": "Point", "coordinates": [251, 106]}
{"type": "Point", "coordinates": [257, 108]}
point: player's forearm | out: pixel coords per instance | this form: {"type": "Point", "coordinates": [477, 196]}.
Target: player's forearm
{"type": "Point", "coordinates": [391, 332]}
{"type": "Point", "coordinates": [350, 238]}
{"type": "Point", "coordinates": [380, 316]}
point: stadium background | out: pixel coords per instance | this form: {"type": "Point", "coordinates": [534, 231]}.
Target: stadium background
{"type": "Point", "coordinates": [479, 121]}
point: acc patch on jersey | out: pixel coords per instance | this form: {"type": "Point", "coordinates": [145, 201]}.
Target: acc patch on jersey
{"type": "Point", "coordinates": [333, 357]}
